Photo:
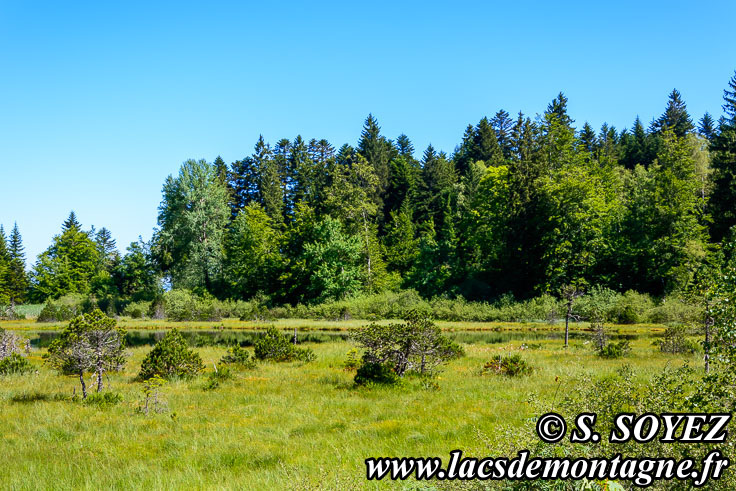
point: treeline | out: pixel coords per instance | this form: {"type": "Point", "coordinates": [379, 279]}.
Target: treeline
{"type": "Point", "coordinates": [523, 206]}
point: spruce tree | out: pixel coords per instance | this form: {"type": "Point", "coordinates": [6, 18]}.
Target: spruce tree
{"type": "Point", "coordinates": [486, 147]}
{"type": "Point", "coordinates": [405, 146]}
{"type": "Point", "coordinates": [502, 124]}
{"type": "Point", "coordinates": [675, 117]}
{"type": "Point", "coordinates": [729, 100]}
{"type": "Point", "coordinates": [17, 276]}
{"type": "Point", "coordinates": [4, 268]}
{"type": "Point", "coordinates": [706, 126]}
{"type": "Point", "coordinates": [377, 150]}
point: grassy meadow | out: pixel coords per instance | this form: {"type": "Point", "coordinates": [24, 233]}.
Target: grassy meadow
{"type": "Point", "coordinates": [288, 425]}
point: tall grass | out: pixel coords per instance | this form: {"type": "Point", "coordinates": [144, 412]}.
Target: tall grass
{"type": "Point", "coordinates": [281, 426]}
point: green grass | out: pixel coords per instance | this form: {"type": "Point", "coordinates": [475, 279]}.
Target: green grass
{"type": "Point", "coordinates": [280, 426]}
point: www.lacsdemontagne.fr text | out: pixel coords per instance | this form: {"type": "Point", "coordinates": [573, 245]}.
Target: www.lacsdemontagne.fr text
{"type": "Point", "coordinates": [642, 471]}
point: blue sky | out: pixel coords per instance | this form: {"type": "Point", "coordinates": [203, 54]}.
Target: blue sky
{"type": "Point", "coordinates": [100, 102]}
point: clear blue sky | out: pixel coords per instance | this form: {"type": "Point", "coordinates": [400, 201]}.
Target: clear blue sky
{"type": "Point", "coordinates": [100, 102]}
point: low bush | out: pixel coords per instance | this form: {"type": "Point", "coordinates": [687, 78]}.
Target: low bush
{"type": "Point", "coordinates": [417, 345]}
{"type": "Point", "coordinates": [238, 356]}
{"type": "Point", "coordinates": [353, 361]}
{"type": "Point", "coordinates": [510, 365]}
{"type": "Point", "coordinates": [614, 349]}
{"type": "Point", "coordinates": [371, 373]}
{"type": "Point", "coordinates": [215, 378]}
{"type": "Point", "coordinates": [15, 364]}
{"type": "Point", "coordinates": [274, 346]}
{"type": "Point", "coordinates": [103, 399]}
{"type": "Point", "coordinates": [137, 310]}
{"type": "Point", "coordinates": [12, 349]}
{"type": "Point", "coordinates": [171, 357]}
{"type": "Point", "coordinates": [676, 342]}
{"type": "Point", "coordinates": [62, 309]}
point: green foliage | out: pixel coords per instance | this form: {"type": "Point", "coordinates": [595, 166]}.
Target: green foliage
{"type": "Point", "coordinates": [221, 374]}
{"type": "Point", "coordinates": [510, 365]}
{"type": "Point", "coordinates": [15, 364]}
{"type": "Point", "coordinates": [238, 356]}
{"type": "Point", "coordinates": [614, 349]}
{"type": "Point", "coordinates": [352, 361]}
{"type": "Point", "coordinates": [274, 346]}
{"type": "Point", "coordinates": [193, 217]}
{"type": "Point", "coordinates": [137, 310]}
{"type": "Point", "coordinates": [90, 343]}
{"type": "Point", "coordinates": [68, 265]}
{"type": "Point", "coordinates": [183, 305]}
{"type": "Point", "coordinates": [370, 373]}
{"type": "Point", "coordinates": [62, 309]}
{"type": "Point", "coordinates": [171, 357]}
{"type": "Point", "coordinates": [152, 400]}
{"type": "Point", "coordinates": [417, 345]}
{"type": "Point", "coordinates": [103, 399]}
{"type": "Point", "coordinates": [675, 341]}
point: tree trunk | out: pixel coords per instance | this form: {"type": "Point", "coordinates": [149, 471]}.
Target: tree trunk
{"type": "Point", "coordinates": [84, 386]}
{"type": "Point", "coordinates": [567, 322]}
{"type": "Point", "coordinates": [708, 323]}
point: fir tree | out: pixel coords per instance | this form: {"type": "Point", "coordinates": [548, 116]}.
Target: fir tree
{"type": "Point", "coordinates": [706, 126]}
{"type": "Point", "coordinates": [675, 117]}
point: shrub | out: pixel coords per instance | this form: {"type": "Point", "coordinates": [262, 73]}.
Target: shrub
{"type": "Point", "coordinates": [15, 364]}
{"type": "Point", "coordinates": [510, 365]}
{"type": "Point", "coordinates": [10, 312]}
{"type": "Point", "coordinates": [274, 346]}
{"type": "Point", "coordinates": [614, 350]}
{"type": "Point", "coordinates": [417, 345]}
{"type": "Point", "coordinates": [183, 305]}
{"type": "Point", "coordinates": [371, 373]}
{"type": "Point", "coordinates": [353, 360]}
{"type": "Point", "coordinates": [675, 342]}
{"type": "Point", "coordinates": [137, 310]}
{"type": "Point", "coordinates": [103, 399]}
{"type": "Point", "coordinates": [90, 343]}
{"type": "Point", "coordinates": [218, 376]}
{"type": "Point", "coordinates": [171, 357]}
{"type": "Point", "coordinates": [238, 356]}
{"type": "Point", "coordinates": [152, 400]}
{"type": "Point", "coordinates": [62, 309]}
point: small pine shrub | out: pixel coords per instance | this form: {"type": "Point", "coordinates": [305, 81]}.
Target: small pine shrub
{"type": "Point", "coordinates": [15, 364]}
{"type": "Point", "coordinates": [675, 342]}
{"type": "Point", "coordinates": [152, 400]}
{"type": "Point", "coordinates": [509, 365]}
{"type": "Point", "coordinates": [238, 356]}
{"type": "Point", "coordinates": [217, 377]}
{"type": "Point", "coordinates": [171, 357]}
{"type": "Point", "coordinates": [103, 399]}
{"type": "Point", "coordinates": [274, 346]}
{"type": "Point", "coordinates": [376, 373]}
{"type": "Point", "coordinates": [614, 350]}
{"type": "Point", "coordinates": [353, 360]}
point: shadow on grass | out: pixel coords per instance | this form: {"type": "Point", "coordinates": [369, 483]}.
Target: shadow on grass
{"type": "Point", "coordinates": [32, 397]}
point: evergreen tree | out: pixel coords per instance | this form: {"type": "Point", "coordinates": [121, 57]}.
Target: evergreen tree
{"type": "Point", "coordinates": [243, 185]}
{"type": "Point", "coordinates": [706, 126]}
{"type": "Point", "coordinates": [723, 151]}
{"type": "Point", "coordinates": [485, 145]}
{"type": "Point", "coordinates": [4, 269]}
{"type": "Point", "coordinates": [588, 139]}
{"type": "Point", "coordinates": [503, 124]}
{"type": "Point", "coordinates": [17, 276]}
{"type": "Point", "coordinates": [729, 100]}
{"type": "Point", "coordinates": [220, 169]}
{"type": "Point", "coordinates": [405, 146]}
{"type": "Point", "coordinates": [377, 150]}
{"type": "Point", "coordinates": [68, 265]}
{"type": "Point", "coordinates": [269, 181]}
{"type": "Point", "coordinates": [675, 117]}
